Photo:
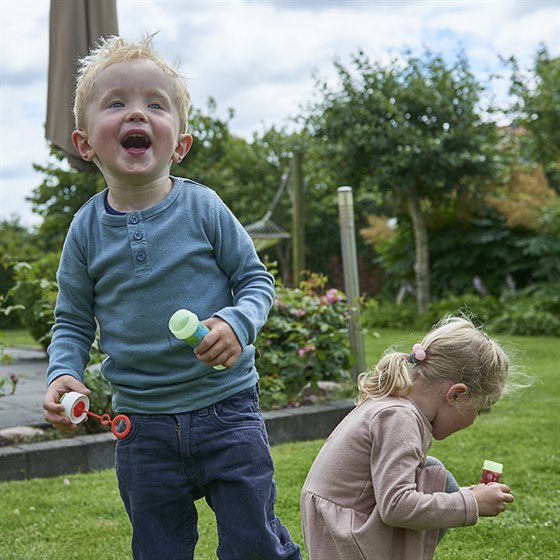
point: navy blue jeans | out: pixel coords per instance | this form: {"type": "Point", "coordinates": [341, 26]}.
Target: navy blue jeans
{"type": "Point", "coordinates": [220, 452]}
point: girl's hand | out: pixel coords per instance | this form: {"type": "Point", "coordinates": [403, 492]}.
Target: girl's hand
{"type": "Point", "coordinates": [220, 347]}
{"type": "Point", "coordinates": [492, 498]}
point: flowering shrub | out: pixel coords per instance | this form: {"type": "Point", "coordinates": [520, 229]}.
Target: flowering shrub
{"type": "Point", "coordinates": [304, 341]}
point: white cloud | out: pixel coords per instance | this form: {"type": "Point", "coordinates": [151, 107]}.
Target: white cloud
{"type": "Point", "coordinates": [25, 28]}
{"type": "Point", "coordinates": [257, 57]}
{"type": "Point", "coordinates": [539, 26]}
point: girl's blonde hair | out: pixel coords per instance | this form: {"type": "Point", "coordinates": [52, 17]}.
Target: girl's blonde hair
{"type": "Point", "coordinates": [112, 50]}
{"type": "Point", "coordinates": [456, 350]}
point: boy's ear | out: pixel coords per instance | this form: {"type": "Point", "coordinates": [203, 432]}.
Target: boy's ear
{"type": "Point", "coordinates": [82, 145]}
{"type": "Point", "coordinates": [183, 146]}
{"type": "Point", "coordinates": [455, 392]}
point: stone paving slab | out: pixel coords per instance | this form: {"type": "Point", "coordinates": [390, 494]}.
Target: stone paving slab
{"type": "Point", "coordinates": [25, 406]}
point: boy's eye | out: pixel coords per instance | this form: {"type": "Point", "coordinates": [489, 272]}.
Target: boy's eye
{"type": "Point", "coordinates": [116, 105]}
{"type": "Point", "coordinates": [155, 106]}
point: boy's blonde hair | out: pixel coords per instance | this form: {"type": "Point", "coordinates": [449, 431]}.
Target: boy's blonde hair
{"type": "Point", "coordinates": [112, 50]}
{"type": "Point", "coordinates": [456, 350]}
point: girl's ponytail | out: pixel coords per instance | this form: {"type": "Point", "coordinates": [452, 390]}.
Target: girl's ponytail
{"type": "Point", "coordinates": [390, 377]}
{"type": "Point", "coordinates": [454, 350]}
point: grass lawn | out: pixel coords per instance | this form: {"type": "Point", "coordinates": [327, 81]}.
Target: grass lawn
{"type": "Point", "coordinates": [84, 518]}
{"type": "Point", "coordinates": [17, 337]}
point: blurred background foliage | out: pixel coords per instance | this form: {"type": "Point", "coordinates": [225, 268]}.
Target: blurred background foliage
{"type": "Point", "coordinates": [455, 210]}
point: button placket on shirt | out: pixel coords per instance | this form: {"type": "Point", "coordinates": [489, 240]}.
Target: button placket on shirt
{"type": "Point", "coordinates": [137, 236]}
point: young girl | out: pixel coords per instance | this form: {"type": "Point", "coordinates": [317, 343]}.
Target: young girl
{"type": "Point", "coordinates": [372, 493]}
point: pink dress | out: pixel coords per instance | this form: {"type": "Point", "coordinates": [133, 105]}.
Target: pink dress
{"type": "Point", "coordinates": [369, 494]}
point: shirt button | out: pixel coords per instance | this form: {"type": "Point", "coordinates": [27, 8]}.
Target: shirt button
{"type": "Point", "coordinates": [133, 219]}
{"type": "Point", "coordinates": [137, 235]}
{"type": "Point", "coordinates": [141, 257]}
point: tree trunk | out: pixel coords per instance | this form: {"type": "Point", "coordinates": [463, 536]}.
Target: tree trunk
{"type": "Point", "coordinates": [422, 253]}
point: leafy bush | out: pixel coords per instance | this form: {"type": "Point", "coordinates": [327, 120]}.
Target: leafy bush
{"type": "Point", "coordinates": [542, 249]}
{"type": "Point", "coordinates": [35, 289]}
{"type": "Point", "coordinates": [524, 319]}
{"type": "Point", "coordinates": [534, 310]}
{"type": "Point", "coordinates": [386, 314]}
{"type": "Point", "coordinates": [304, 341]}
{"type": "Point", "coordinates": [100, 398]}
{"type": "Point", "coordinates": [478, 308]}
{"type": "Point", "coordinates": [17, 243]}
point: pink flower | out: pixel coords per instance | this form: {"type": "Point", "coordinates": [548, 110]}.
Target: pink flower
{"type": "Point", "coordinates": [14, 381]}
{"type": "Point", "coordinates": [333, 295]}
{"type": "Point", "coordinates": [306, 349]}
{"type": "Point", "coordinates": [298, 312]}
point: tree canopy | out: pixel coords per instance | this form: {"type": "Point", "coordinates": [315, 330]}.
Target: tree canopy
{"type": "Point", "coordinates": [411, 132]}
{"type": "Point", "coordinates": [537, 109]}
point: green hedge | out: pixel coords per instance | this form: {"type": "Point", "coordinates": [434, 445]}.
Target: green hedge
{"type": "Point", "coordinates": [534, 310]}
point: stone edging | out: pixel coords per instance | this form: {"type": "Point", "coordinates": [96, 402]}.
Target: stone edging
{"type": "Point", "coordinates": [97, 452]}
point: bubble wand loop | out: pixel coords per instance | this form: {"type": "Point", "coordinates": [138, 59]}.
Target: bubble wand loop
{"type": "Point", "coordinates": [106, 420]}
{"type": "Point", "coordinates": [76, 407]}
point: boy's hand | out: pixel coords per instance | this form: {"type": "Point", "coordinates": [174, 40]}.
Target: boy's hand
{"type": "Point", "coordinates": [54, 411]}
{"type": "Point", "coordinates": [491, 498]}
{"type": "Point", "coordinates": [220, 347]}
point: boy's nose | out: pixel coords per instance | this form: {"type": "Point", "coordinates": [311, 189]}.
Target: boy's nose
{"type": "Point", "coordinates": [136, 114]}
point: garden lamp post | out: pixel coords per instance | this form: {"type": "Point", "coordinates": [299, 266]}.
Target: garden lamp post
{"type": "Point", "coordinates": [351, 282]}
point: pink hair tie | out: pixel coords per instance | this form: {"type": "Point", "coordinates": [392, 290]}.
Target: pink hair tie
{"type": "Point", "coordinates": [418, 354]}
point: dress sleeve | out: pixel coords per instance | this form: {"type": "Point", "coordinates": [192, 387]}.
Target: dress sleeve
{"type": "Point", "coordinates": [397, 456]}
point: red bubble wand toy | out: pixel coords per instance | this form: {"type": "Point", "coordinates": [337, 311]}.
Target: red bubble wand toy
{"type": "Point", "coordinates": [76, 407]}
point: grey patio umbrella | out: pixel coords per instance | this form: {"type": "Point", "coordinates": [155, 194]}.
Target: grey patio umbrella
{"type": "Point", "coordinates": [75, 25]}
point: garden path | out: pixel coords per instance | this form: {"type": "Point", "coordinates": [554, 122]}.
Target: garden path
{"type": "Point", "coordinates": [25, 406]}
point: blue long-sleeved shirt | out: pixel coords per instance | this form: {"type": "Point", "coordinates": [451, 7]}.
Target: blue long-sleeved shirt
{"type": "Point", "coordinates": [130, 273]}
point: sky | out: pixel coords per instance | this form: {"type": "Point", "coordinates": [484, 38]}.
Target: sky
{"type": "Point", "coordinates": [257, 57]}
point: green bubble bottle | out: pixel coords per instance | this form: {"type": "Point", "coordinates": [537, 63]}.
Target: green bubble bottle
{"type": "Point", "coordinates": [185, 326]}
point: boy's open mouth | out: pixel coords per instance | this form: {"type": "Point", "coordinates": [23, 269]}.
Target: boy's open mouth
{"type": "Point", "coordinates": [136, 142]}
